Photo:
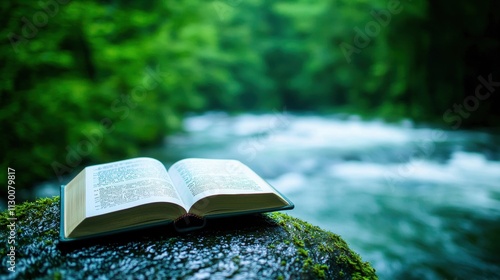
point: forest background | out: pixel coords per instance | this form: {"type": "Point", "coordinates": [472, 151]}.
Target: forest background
{"type": "Point", "coordinates": [85, 82]}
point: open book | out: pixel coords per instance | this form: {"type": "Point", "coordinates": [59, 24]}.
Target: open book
{"type": "Point", "coordinates": [134, 193]}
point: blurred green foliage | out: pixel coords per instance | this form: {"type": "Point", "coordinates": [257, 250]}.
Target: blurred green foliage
{"type": "Point", "coordinates": [92, 81]}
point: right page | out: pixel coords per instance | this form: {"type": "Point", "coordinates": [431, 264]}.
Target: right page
{"type": "Point", "coordinates": [225, 184]}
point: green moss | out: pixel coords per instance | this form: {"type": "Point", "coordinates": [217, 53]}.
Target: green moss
{"type": "Point", "coordinates": [298, 242]}
{"type": "Point", "coordinates": [296, 225]}
{"type": "Point", "coordinates": [303, 252]}
{"type": "Point", "coordinates": [35, 208]}
{"type": "Point", "coordinates": [325, 248]}
{"type": "Point", "coordinates": [307, 263]}
{"type": "Point", "coordinates": [320, 270]}
{"type": "Point", "coordinates": [361, 269]}
{"type": "Point", "coordinates": [345, 257]}
{"type": "Point", "coordinates": [283, 262]}
{"type": "Point", "coordinates": [364, 272]}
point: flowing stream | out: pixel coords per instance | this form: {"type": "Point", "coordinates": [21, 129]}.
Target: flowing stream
{"type": "Point", "coordinates": [416, 202]}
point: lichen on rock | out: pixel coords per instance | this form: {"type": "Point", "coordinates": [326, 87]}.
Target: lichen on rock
{"type": "Point", "coordinates": [263, 246]}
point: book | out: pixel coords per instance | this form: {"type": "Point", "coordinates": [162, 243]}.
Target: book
{"type": "Point", "coordinates": [136, 193]}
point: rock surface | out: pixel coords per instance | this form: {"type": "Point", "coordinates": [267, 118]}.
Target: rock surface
{"type": "Point", "coordinates": [265, 246]}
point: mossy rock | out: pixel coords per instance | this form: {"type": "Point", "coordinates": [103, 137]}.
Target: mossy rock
{"type": "Point", "coordinates": [265, 246]}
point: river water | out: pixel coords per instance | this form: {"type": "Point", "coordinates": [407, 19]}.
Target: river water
{"type": "Point", "coordinates": [416, 202]}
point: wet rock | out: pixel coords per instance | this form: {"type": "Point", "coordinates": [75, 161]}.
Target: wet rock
{"type": "Point", "coordinates": [265, 246]}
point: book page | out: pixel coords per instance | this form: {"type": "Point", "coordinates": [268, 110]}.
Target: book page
{"type": "Point", "coordinates": [128, 183]}
{"type": "Point", "coordinates": [204, 177]}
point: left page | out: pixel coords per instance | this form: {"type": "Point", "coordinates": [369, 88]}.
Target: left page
{"type": "Point", "coordinates": [128, 183]}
